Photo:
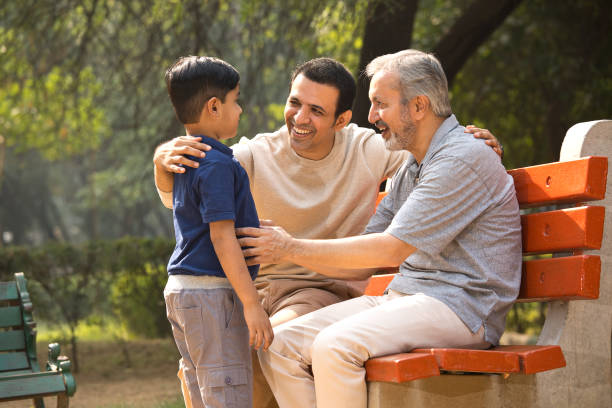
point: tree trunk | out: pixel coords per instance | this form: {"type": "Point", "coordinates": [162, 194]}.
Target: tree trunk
{"type": "Point", "coordinates": [73, 345]}
{"type": "Point", "coordinates": [388, 29]}
{"type": "Point", "coordinates": [475, 25]}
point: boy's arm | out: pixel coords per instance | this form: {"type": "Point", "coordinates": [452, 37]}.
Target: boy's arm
{"type": "Point", "coordinates": [228, 251]}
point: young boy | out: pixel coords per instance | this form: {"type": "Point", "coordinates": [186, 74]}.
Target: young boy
{"type": "Point", "coordinates": [211, 327]}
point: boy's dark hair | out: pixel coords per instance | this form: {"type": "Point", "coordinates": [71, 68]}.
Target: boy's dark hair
{"type": "Point", "coordinates": [328, 71]}
{"type": "Point", "coordinates": [192, 81]}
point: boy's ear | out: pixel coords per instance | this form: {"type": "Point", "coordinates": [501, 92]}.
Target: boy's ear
{"type": "Point", "coordinates": [213, 105]}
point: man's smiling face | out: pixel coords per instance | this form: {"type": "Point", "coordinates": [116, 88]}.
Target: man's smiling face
{"type": "Point", "coordinates": [310, 115]}
{"type": "Point", "coordinates": [389, 113]}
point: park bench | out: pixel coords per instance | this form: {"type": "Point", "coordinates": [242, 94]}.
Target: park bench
{"type": "Point", "coordinates": [20, 374]}
{"type": "Point", "coordinates": [578, 327]}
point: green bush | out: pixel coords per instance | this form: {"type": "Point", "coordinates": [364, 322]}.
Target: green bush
{"type": "Point", "coordinates": [122, 278]}
{"type": "Point", "coordinates": [138, 302]}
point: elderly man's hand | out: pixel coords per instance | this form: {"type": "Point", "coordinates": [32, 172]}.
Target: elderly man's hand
{"type": "Point", "coordinates": [488, 137]}
{"type": "Point", "coordinates": [267, 244]}
{"type": "Point", "coordinates": [169, 155]}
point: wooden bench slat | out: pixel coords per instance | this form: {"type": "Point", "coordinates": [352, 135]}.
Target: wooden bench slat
{"type": "Point", "coordinates": [535, 359]}
{"type": "Point", "coordinates": [14, 361]}
{"type": "Point", "coordinates": [476, 361]}
{"type": "Point", "coordinates": [563, 230]}
{"type": "Point", "coordinates": [501, 359]}
{"type": "Point", "coordinates": [561, 182]}
{"type": "Point", "coordinates": [568, 278]}
{"type": "Point", "coordinates": [10, 316]}
{"type": "Point", "coordinates": [36, 384]}
{"type": "Point", "coordinates": [15, 372]}
{"type": "Point", "coordinates": [378, 283]}
{"type": "Point", "coordinates": [8, 291]}
{"type": "Point", "coordinates": [12, 340]}
{"type": "Point", "coordinates": [402, 367]}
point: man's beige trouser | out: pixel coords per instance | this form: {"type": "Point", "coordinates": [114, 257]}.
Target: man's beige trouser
{"type": "Point", "coordinates": [318, 359]}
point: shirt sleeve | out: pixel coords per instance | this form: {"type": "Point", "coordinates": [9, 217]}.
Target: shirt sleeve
{"type": "Point", "coordinates": [215, 187]}
{"type": "Point", "coordinates": [382, 217]}
{"type": "Point", "coordinates": [383, 162]}
{"type": "Point", "coordinates": [448, 198]}
{"type": "Point", "coordinates": [242, 153]}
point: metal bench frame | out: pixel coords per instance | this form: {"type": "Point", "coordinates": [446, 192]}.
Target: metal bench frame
{"type": "Point", "coordinates": [20, 374]}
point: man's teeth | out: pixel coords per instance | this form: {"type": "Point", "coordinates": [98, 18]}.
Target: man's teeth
{"type": "Point", "coordinates": [300, 131]}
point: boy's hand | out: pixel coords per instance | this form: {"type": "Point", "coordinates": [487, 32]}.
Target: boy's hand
{"type": "Point", "coordinates": [260, 329]}
{"type": "Point", "coordinates": [488, 137]}
{"type": "Point", "coordinates": [169, 155]}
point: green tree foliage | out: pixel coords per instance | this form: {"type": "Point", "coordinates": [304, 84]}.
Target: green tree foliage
{"type": "Point", "coordinates": [82, 82]}
{"type": "Point", "coordinates": [81, 85]}
{"type": "Point", "coordinates": [48, 100]}
{"type": "Point", "coordinates": [546, 68]}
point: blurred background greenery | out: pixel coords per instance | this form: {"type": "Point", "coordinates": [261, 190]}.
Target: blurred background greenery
{"type": "Point", "coordinates": [83, 105]}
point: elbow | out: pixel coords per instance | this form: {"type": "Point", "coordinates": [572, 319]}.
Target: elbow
{"type": "Point", "coordinates": [396, 252]}
{"type": "Point", "coordinates": [395, 260]}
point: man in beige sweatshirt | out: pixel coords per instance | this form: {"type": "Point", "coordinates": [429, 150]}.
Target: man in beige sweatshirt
{"type": "Point", "coordinates": [318, 177]}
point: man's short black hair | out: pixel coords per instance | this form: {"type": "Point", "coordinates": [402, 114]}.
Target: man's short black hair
{"type": "Point", "coordinates": [192, 81]}
{"type": "Point", "coordinates": [328, 71]}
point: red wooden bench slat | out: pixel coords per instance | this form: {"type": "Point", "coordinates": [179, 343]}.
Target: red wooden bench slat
{"type": "Point", "coordinates": [501, 359]}
{"type": "Point", "coordinates": [561, 182]}
{"type": "Point", "coordinates": [563, 230]}
{"type": "Point", "coordinates": [567, 278]}
{"type": "Point", "coordinates": [378, 284]}
{"type": "Point", "coordinates": [401, 367]}
{"type": "Point", "coordinates": [475, 361]}
{"type": "Point", "coordinates": [535, 359]}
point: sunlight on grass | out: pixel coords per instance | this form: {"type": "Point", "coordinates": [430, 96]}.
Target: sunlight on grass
{"type": "Point", "coordinates": [107, 330]}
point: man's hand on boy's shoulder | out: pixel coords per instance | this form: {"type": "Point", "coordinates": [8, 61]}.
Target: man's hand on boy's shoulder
{"type": "Point", "coordinates": [170, 154]}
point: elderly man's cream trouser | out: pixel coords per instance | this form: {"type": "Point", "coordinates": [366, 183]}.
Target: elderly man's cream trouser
{"type": "Point", "coordinates": [336, 341]}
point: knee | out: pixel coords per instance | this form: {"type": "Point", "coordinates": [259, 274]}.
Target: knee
{"type": "Point", "coordinates": [333, 346]}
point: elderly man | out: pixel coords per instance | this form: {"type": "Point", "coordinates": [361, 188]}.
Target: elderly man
{"type": "Point", "coordinates": [451, 221]}
{"type": "Point", "coordinates": [317, 177]}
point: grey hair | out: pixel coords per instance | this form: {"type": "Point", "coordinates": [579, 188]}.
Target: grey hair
{"type": "Point", "coordinates": [419, 73]}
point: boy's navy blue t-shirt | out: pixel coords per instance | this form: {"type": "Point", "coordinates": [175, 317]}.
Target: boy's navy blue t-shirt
{"type": "Point", "coordinates": [217, 190]}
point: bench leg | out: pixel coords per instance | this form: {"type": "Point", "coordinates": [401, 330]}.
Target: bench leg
{"type": "Point", "coordinates": [62, 401]}
{"type": "Point", "coordinates": [39, 403]}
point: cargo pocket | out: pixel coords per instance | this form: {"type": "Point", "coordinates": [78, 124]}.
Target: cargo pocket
{"type": "Point", "coordinates": [229, 386]}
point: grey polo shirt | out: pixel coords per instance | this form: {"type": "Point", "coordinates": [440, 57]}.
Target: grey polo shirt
{"type": "Point", "coordinates": [459, 209]}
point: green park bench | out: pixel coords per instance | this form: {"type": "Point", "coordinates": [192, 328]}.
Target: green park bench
{"type": "Point", "coordinates": [20, 374]}
{"type": "Point", "coordinates": [570, 366]}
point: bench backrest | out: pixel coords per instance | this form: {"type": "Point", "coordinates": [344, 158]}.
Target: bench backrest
{"type": "Point", "coordinates": [554, 267]}
{"type": "Point", "coordinates": [17, 328]}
